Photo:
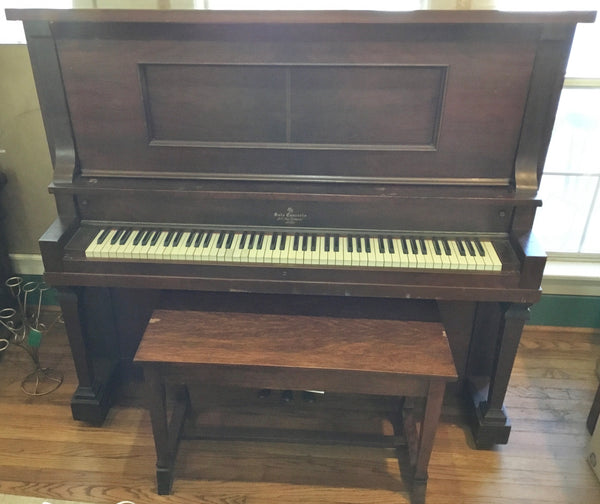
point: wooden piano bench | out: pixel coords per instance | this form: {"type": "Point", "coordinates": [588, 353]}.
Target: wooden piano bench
{"type": "Point", "coordinates": [396, 358]}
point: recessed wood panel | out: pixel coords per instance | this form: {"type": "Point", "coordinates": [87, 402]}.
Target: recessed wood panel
{"type": "Point", "coordinates": [215, 104]}
{"type": "Point", "coordinates": [388, 107]}
{"type": "Point", "coordinates": [394, 106]}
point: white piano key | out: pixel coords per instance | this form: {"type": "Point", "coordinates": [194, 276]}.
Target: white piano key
{"type": "Point", "coordinates": [479, 260]}
{"type": "Point", "coordinates": [179, 251]}
{"type": "Point", "coordinates": [433, 259]}
{"type": "Point", "coordinates": [378, 255]}
{"type": "Point", "coordinates": [136, 245]}
{"type": "Point", "coordinates": [92, 251]}
{"type": "Point", "coordinates": [455, 257]}
{"type": "Point", "coordinates": [346, 258]}
{"type": "Point", "coordinates": [209, 249]}
{"type": "Point", "coordinates": [127, 248]}
{"type": "Point", "coordinates": [491, 251]}
{"type": "Point", "coordinates": [470, 259]}
{"type": "Point", "coordinates": [294, 249]}
{"type": "Point", "coordinates": [238, 248]}
{"type": "Point", "coordinates": [156, 249]}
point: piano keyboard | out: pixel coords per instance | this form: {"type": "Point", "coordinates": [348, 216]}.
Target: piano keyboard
{"type": "Point", "coordinates": [354, 250]}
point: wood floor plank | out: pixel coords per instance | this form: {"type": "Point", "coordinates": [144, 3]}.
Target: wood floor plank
{"type": "Point", "coordinates": [48, 455]}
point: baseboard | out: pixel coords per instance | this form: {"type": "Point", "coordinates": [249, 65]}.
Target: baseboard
{"type": "Point", "coordinates": [27, 264]}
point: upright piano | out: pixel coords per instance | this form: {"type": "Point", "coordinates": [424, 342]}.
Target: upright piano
{"type": "Point", "coordinates": [287, 155]}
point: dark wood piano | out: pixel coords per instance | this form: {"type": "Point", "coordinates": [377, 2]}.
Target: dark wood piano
{"type": "Point", "coordinates": [292, 155]}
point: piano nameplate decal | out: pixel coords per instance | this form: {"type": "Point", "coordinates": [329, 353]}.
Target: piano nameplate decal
{"type": "Point", "coordinates": [290, 216]}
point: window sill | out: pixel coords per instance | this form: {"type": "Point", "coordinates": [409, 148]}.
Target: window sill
{"type": "Point", "coordinates": [571, 277]}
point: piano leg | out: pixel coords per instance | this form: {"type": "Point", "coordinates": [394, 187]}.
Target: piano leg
{"type": "Point", "coordinates": [104, 327]}
{"type": "Point", "coordinates": [91, 400]}
{"type": "Point", "coordinates": [502, 332]}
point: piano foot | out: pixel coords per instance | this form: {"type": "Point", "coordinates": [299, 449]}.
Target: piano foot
{"type": "Point", "coordinates": [489, 427]}
{"type": "Point", "coordinates": [91, 404]}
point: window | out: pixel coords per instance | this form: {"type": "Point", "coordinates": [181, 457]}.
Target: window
{"type": "Point", "coordinates": [568, 224]}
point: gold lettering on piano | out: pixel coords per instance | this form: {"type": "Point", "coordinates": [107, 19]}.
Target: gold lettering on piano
{"type": "Point", "coordinates": [290, 216]}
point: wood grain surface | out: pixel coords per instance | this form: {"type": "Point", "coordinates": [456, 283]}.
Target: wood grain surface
{"type": "Point", "coordinates": [328, 343]}
{"type": "Point", "coordinates": [47, 454]}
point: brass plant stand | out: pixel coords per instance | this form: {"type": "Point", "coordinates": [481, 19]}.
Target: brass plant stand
{"type": "Point", "coordinates": [26, 331]}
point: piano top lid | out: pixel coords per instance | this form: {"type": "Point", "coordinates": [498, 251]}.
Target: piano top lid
{"type": "Point", "coordinates": [296, 11]}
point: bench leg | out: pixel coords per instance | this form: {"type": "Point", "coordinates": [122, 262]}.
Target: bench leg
{"type": "Point", "coordinates": [166, 434]}
{"type": "Point", "coordinates": [420, 446]}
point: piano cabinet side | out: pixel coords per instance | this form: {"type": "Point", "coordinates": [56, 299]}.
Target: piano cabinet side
{"type": "Point", "coordinates": [496, 333]}
{"type": "Point", "coordinates": [53, 102]}
{"type": "Point", "coordinates": [104, 327]}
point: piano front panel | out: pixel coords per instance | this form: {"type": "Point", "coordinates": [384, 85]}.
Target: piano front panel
{"type": "Point", "coordinates": [293, 102]}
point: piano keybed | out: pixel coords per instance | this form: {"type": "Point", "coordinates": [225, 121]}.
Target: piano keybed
{"type": "Point", "coordinates": [292, 248]}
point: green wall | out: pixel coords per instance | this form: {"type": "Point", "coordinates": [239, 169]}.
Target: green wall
{"type": "Point", "coordinates": [566, 311]}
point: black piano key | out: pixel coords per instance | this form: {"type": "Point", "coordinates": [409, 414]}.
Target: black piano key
{"type": "Point", "coordinates": [198, 239]}
{"type": "Point", "coordinates": [146, 238]}
{"type": "Point", "coordinates": [229, 241]}
{"type": "Point", "coordinates": [350, 246]}
{"type": "Point", "coordinates": [102, 236]}
{"type": "Point", "coordinates": [116, 236]}
{"type": "Point", "coordinates": [125, 236]}
{"type": "Point", "coordinates": [138, 237]}
{"type": "Point", "coordinates": [470, 248]}
{"type": "Point", "coordinates": [336, 243]}
{"type": "Point", "coordinates": [461, 249]}
{"type": "Point", "coordinates": [479, 247]}
{"type": "Point", "coordinates": [326, 241]}
{"type": "Point", "coordinates": [446, 245]}
{"type": "Point", "coordinates": [177, 238]}
{"type": "Point", "coordinates": [367, 245]}
{"type": "Point", "coordinates": [423, 246]}
{"type": "Point", "coordinates": [155, 238]}
{"type": "Point", "coordinates": [273, 245]}
{"type": "Point", "coordinates": [190, 240]}
{"type": "Point", "coordinates": [282, 241]}
{"type": "Point", "coordinates": [168, 238]}
{"type": "Point", "coordinates": [391, 245]}
{"type": "Point", "coordinates": [404, 243]}
{"type": "Point", "coordinates": [413, 246]}
{"type": "Point", "coordinates": [207, 239]}
{"type": "Point", "coordinates": [221, 239]}
{"type": "Point", "coordinates": [251, 241]}
{"type": "Point", "coordinates": [305, 242]}
{"type": "Point", "coordinates": [381, 245]}
{"type": "Point", "coordinates": [296, 243]}
{"type": "Point", "coordinates": [261, 239]}
{"type": "Point", "coordinates": [243, 240]}
{"type": "Point", "coordinates": [313, 243]}
{"type": "Point", "coordinates": [436, 247]}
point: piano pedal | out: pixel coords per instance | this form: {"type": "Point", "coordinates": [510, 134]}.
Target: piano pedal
{"type": "Point", "coordinates": [264, 393]}
{"type": "Point", "coordinates": [309, 397]}
{"type": "Point", "coordinates": [287, 396]}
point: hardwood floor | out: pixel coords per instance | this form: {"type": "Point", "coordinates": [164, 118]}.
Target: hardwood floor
{"type": "Point", "coordinates": [45, 454]}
